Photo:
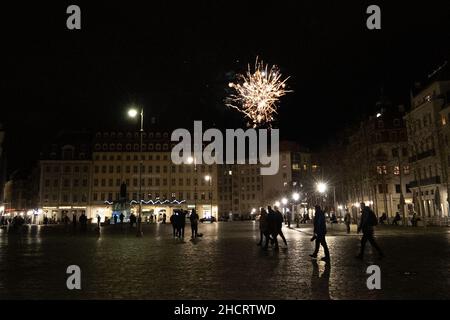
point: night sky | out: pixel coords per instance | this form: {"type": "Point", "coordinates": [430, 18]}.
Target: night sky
{"type": "Point", "coordinates": [176, 58]}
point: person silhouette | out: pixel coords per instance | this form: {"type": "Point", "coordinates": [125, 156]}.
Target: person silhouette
{"type": "Point", "coordinates": [320, 230]}
{"type": "Point", "coordinates": [368, 221]}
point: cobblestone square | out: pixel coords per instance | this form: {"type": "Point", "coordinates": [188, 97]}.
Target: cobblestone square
{"type": "Point", "coordinates": [225, 263]}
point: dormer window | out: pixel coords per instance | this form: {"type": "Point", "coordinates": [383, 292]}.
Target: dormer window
{"type": "Point", "coordinates": [67, 152]}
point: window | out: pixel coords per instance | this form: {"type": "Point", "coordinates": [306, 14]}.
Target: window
{"type": "Point", "coordinates": [396, 170]}
{"type": "Point", "coordinates": [397, 188]}
{"type": "Point", "coordinates": [406, 170]}
{"type": "Point", "coordinates": [381, 189]}
{"type": "Point", "coordinates": [381, 170]}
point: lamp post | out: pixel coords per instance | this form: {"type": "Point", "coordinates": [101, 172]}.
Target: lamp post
{"type": "Point", "coordinates": [208, 178]}
{"type": "Point", "coordinates": [192, 160]}
{"type": "Point", "coordinates": [295, 198]}
{"type": "Point", "coordinates": [321, 188]}
{"type": "Point", "coordinates": [133, 114]}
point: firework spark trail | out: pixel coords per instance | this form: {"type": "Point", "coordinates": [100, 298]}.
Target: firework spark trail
{"type": "Point", "coordinates": [257, 93]}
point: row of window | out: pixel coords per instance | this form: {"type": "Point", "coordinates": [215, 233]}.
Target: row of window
{"type": "Point", "coordinates": [66, 183]}
{"type": "Point", "coordinates": [131, 147]}
{"type": "Point", "coordinates": [383, 170]}
{"type": "Point", "coordinates": [66, 198]}
{"type": "Point", "coordinates": [243, 197]}
{"type": "Point", "coordinates": [150, 169]}
{"type": "Point", "coordinates": [424, 193]}
{"type": "Point", "coordinates": [129, 157]}
{"type": "Point", "coordinates": [383, 188]}
{"type": "Point", "coordinates": [417, 124]}
{"type": "Point", "coordinates": [247, 188]}
{"type": "Point", "coordinates": [426, 172]}
{"type": "Point", "coordinates": [149, 182]}
{"type": "Point", "coordinates": [66, 169]}
{"type": "Point", "coordinates": [129, 135]}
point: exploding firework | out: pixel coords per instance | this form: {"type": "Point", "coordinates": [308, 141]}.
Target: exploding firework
{"type": "Point", "coordinates": [257, 93]}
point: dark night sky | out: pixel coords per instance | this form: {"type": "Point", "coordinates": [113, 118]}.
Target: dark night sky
{"type": "Point", "coordinates": [176, 59]}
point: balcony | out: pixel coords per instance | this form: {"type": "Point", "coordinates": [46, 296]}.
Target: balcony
{"type": "Point", "coordinates": [425, 182]}
{"type": "Point", "coordinates": [423, 155]}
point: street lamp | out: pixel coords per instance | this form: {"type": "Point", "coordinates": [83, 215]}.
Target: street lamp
{"type": "Point", "coordinates": [295, 197]}
{"type": "Point", "coordinates": [208, 178]}
{"type": "Point", "coordinates": [132, 113]}
{"type": "Point", "coordinates": [321, 187]}
{"type": "Point", "coordinates": [192, 160]}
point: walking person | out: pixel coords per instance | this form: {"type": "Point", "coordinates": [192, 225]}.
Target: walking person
{"type": "Point", "coordinates": [83, 222]}
{"type": "Point", "coordinates": [368, 221]}
{"type": "Point", "coordinates": [132, 220]}
{"type": "Point", "coordinates": [194, 224]}
{"type": "Point", "coordinates": [121, 217]}
{"type": "Point", "coordinates": [397, 218]}
{"type": "Point", "coordinates": [182, 222]}
{"type": "Point", "coordinates": [98, 220]}
{"type": "Point", "coordinates": [164, 218]}
{"type": "Point", "coordinates": [320, 230]}
{"type": "Point", "coordinates": [289, 217]}
{"type": "Point", "coordinates": [347, 220]}
{"type": "Point", "coordinates": [262, 226]}
{"type": "Point", "coordinates": [172, 222]}
{"type": "Point", "coordinates": [74, 220]}
{"type": "Point", "coordinates": [280, 225]}
{"type": "Point", "coordinates": [272, 230]}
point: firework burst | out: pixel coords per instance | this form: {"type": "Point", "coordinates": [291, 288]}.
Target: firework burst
{"type": "Point", "coordinates": [257, 93]}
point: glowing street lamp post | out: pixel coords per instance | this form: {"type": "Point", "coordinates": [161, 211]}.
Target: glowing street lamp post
{"type": "Point", "coordinates": [208, 178]}
{"type": "Point", "coordinates": [133, 114]}
{"type": "Point", "coordinates": [192, 160]}
{"type": "Point", "coordinates": [295, 198]}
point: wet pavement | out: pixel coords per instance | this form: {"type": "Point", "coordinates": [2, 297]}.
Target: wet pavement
{"type": "Point", "coordinates": [223, 264]}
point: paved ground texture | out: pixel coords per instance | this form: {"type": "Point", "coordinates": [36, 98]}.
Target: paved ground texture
{"type": "Point", "coordinates": [224, 264]}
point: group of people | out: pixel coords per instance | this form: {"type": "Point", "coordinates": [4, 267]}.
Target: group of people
{"type": "Point", "coordinates": [270, 225]}
{"type": "Point", "coordinates": [178, 221]}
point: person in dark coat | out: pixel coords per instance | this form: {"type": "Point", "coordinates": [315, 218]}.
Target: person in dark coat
{"type": "Point", "coordinates": [132, 220]}
{"type": "Point", "coordinates": [182, 220]}
{"type": "Point", "coordinates": [263, 227]}
{"type": "Point", "coordinates": [194, 223]}
{"type": "Point", "coordinates": [368, 221]}
{"type": "Point", "coordinates": [74, 220]}
{"type": "Point", "coordinates": [83, 221]}
{"type": "Point", "coordinates": [280, 225]}
{"type": "Point", "coordinates": [272, 229]}
{"type": "Point", "coordinates": [320, 230]}
{"type": "Point", "coordinates": [172, 222]}
{"type": "Point", "coordinates": [347, 220]}
{"type": "Point", "coordinates": [121, 217]}
{"type": "Point", "coordinates": [397, 218]}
